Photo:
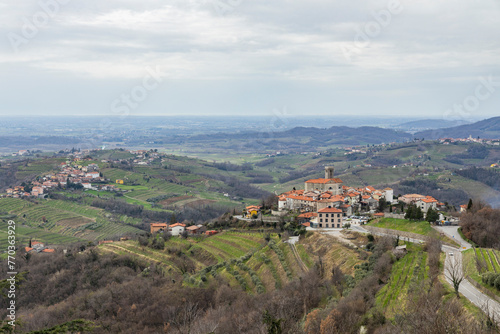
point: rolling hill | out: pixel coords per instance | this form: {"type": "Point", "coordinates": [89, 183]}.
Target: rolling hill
{"type": "Point", "coordinates": [488, 128]}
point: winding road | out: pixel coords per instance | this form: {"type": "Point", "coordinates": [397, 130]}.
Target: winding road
{"type": "Point", "coordinates": [466, 288]}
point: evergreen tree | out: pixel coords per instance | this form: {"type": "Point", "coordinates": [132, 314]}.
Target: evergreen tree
{"type": "Point", "coordinates": [432, 215]}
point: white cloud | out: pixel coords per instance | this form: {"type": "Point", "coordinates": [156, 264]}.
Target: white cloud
{"type": "Point", "coordinates": [283, 41]}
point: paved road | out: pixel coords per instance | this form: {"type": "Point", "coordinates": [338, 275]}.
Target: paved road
{"type": "Point", "coordinates": [466, 288]}
{"type": "Point", "coordinates": [452, 232]}
{"type": "Point", "coordinates": [469, 291]}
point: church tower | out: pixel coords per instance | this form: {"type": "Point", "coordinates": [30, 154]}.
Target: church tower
{"type": "Point", "coordinates": [329, 172]}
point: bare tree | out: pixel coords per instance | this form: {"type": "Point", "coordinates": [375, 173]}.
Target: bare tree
{"type": "Point", "coordinates": [455, 273]}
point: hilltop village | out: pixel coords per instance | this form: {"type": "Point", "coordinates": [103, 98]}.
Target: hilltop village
{"type": "Point", "coordinates": [326, 202]}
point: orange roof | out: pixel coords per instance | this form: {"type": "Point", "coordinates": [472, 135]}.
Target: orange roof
{"type": "Point", "coordinates": [308, 215]}
{"type": "Point", "coordinates": [33, 243]}
{"type": "Point", "coordinates": [413, 195]}
{"type": "Point", "coordinates": [330, 210]}
{"type": "Point", "coordinates": [178, 224]}
{"type": "Point", "coordinates": [158, 224]}
{"type": "Point", "coordinates": [428, 200]}
{"type": "Point", "coordinates": [253, 207]}
{"type": "Point", "coordinates": [306, 224]}
{"type": "Point", "coordinates": [463, 206]}
{"type": "Point", "coordinates": [336, 180]}
{"type": "Point", "coordinates": [366, 196]}
{"type": "Point", "coordinates": [48, 250]}
{"type": "Point", "coordinates": [28, 249]}
{"type": "Point", "coordinates": [192, 228]}
{"type": "Point", "coordinates": [303, 198]}
{"type": "Point", "coordinates": [380, 214]}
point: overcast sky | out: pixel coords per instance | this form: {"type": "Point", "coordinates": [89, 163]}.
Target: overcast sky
{"type": "Point", "coordinates": [250, 57]}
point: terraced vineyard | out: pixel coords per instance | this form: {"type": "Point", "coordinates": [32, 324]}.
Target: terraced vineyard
{"type": "Point", "coordinates": [66, 219]}
{"type": "Point", "coordinates": [407, 275]}
{"type": "Point", "coordinates": [244, 260]}
{"type": "Point", "coordinates": [478, 261]}
{"type": "Point", "coordinates": [24, 233]}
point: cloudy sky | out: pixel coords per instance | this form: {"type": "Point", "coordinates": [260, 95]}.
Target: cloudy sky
{"type": "Point", "coordinates": [429, 58]}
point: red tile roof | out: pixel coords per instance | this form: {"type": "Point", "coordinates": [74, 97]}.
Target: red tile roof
{"type": "Point", "coordinates": [335, 180]}
{"type": "Point", "coordinates": [308, 215]}
{"type": "Point", "coordinates": [330, 210]}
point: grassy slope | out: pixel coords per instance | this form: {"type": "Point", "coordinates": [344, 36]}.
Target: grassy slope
{"type": "Point", "coordinates": [470, 267]}
{"type": "Point", "coordinates": [66, 219]}
{"type": "Point", "coordinates": [418, 227]}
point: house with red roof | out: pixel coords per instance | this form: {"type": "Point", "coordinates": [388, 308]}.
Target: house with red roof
{"type": "Point", "coordinates": [157, 227]}
{"type": "Point", "coordinates": [329, 218]}
{"type": "Point", "coordinates": [176, 229]}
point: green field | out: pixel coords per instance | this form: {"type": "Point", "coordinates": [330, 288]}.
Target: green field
{"type": "Point", "coordinates": [408, 275]}
{"type": "Point", "coordinates": [418, 227]}
{"type": "Point", "coordinates": [24, 233]}
{"type": "Point", "coordinates": [478, 261]}
{"type": "Point", "coordinates": [68, 219]}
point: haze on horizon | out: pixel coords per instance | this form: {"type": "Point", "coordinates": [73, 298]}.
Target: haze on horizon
{"type": "Point", "coordinates": [242, 57]}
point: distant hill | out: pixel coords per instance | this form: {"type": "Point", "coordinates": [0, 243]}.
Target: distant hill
{"type": "Point", "coordinates": [429, 124]}
{"type": "Point", "coordinates": [488, 128]}
{"type": "Point", "coordinates": [312, 137]}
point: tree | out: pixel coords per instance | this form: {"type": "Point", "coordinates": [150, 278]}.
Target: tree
{"type": "Point", "coordinates": [454, 271]}
{"type": "Point", "coordinates": [469, 205]}
{"type": "Point", "coordinates": [382, 204]}
{"type": "Point", "coordinates": [432, 215]}
{"type": "Point", "coordinates": [273, 324]}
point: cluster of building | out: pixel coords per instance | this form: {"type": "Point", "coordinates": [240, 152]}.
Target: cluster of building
{"type": "Point", "coordinates": [178, 229]}
{"type": "Point", "coordinates": [470, 139]}
{"type": "Point", "coordinates": [74, 173]}
{"type": "Point", "coordinates": [324, 202]}
{"type": "Point", "coordinates": [144, 157]}
{"type": "Point", "coordinates": [421, 201]}
{"type": "Point", "coordinates": [38, 247]}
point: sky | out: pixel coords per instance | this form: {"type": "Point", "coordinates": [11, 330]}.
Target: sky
{"type": "Point", "coordinates": [428, 58]}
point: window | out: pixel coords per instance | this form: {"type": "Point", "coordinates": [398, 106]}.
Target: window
{"type": "Point", "coordinates": [326, 214]}
{"type": "Point", "coordinates": [321, 220]}
{"type": "Point", "coordinates": [320, 225]}
{"type": "Point", "coordinates": [321, 215]}
{"type": "Point", "coordinates": [326, 225]}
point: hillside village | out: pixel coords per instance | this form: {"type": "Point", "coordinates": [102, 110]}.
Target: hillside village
{"type": "Point", "coordinates": [326, 202]}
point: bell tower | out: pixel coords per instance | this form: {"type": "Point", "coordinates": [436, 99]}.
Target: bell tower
{"type": "Point", "coordinates": [329, 172]}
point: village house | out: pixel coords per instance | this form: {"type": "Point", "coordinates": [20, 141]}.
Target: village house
{"type": "Point", "coordinates": [425, 203]}
{"type": "Point", "coordinates": [38, 247]}
{"type": "Point", "coordinates": [176, 229]}
{"type": "Point", "coordinates": [329, 218]}
{"type": "Point", "coordinates": [463, 208]}
{"type": "Point", "coordinates": [252, 210]}
{"type": "Point", "coordinates": [196, 229]}
{"type": "Point", "coordinates": [410, 198]}
{"type": "Point", "coordinates": [158, 227]}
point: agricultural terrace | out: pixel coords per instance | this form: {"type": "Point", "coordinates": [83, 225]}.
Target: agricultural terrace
{"type": "Point", "coordinates": [478, 261]}
{"type": "Point", "coordinates": [244, 260]}
{"type": "Point", "coordinates": [24, 233]}
{"type": "Point", "coordinates": [408, 275]}
{"type": "Point", "coordinates": [66, 219]}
